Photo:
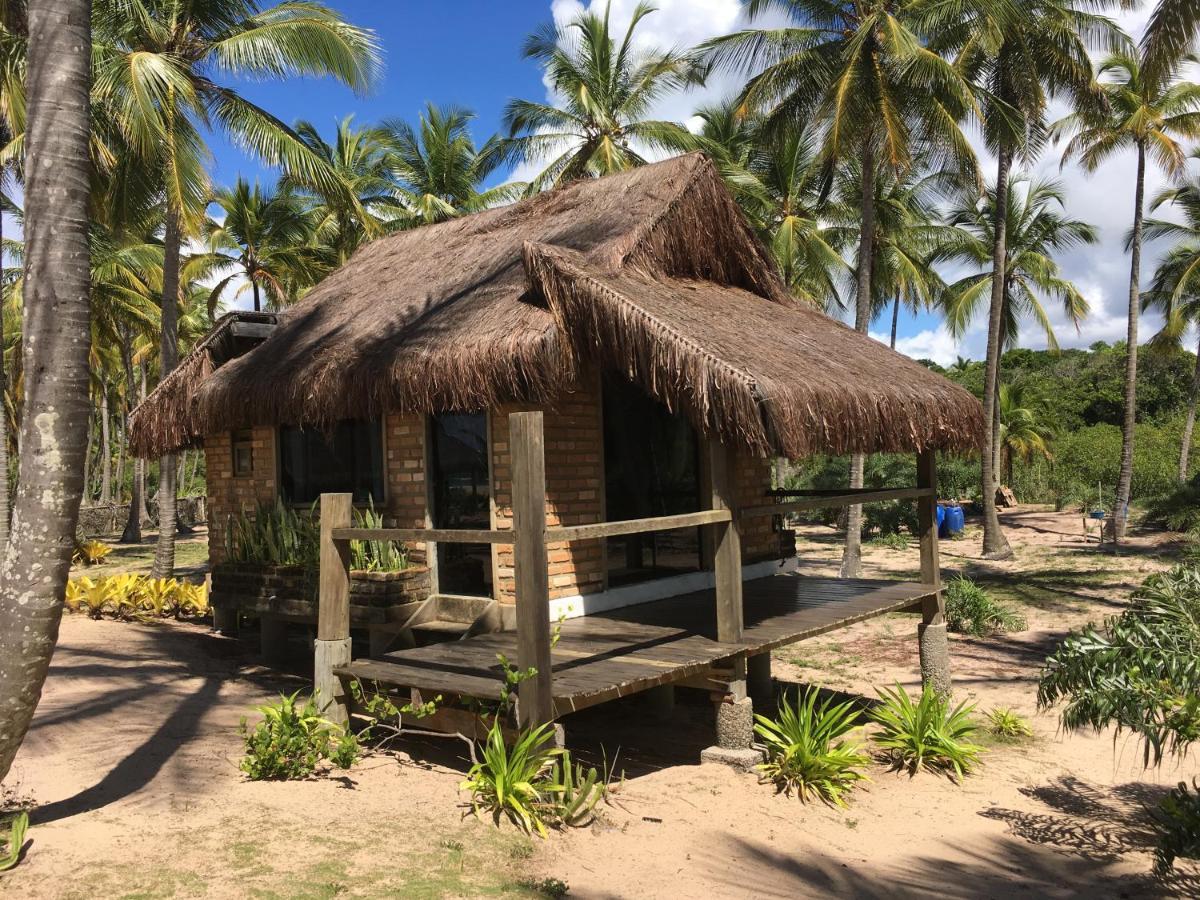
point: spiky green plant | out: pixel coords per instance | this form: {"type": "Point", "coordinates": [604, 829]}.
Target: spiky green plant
{"type": "Point", "coordinates": [575, 791]}
{"type": "Point", "coordinates": [971, 610]}
{"type": "Point", "coordinates": [274, 534]}
{"type": "Point", "coordinates": [928, 734]}
{"type": "Point", "coordinates": [375, 556]}
{"type": "Point", "coordinates": [1005, 723]}
{"type": "Point", "coordinates": [509, 782]}
{"type": "Point", "coordinates": [15, 841]}
{"type": "Point", "coordinates": [806, 752]}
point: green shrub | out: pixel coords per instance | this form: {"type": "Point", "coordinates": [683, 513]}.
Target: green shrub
{"type": "Point", "coordinates": [970, 610]}
{"type": "Point", "coordinates": [292, 739]}
{"type": "Point", "coordinates": [1177, 510]}
{"type": "Point", "coordinates": [889, 518]}
{"type": "Point", "coordinates": [375, 556]}
{"type": "Point", "coordinates": [1004, 723]}
{"type": "Point", "coordinates": [806, 752]}
{"type": "Point", "coordinates": [510, 782]}
{"type": "Point", "coordinates": [1177, 821]}
{"type": "Point", "coordinates": [893, 541]}
{"type": "Point", "coordinates": [275, 534]}
{"type": "Point", "coordinates": [927, 734]}
{"type": "Point", "coordinates": [12, 845]}
{"type": "Point", "coordinates": [1140, 671]}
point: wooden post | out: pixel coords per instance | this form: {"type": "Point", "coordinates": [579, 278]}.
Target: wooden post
{"type": "Point", "coordinates": [727, 546]}
{"type": "Point", "coordinates": [931, 634]}
{"type": "Point", "coordinates": [332, 646]}
{"type": "Point", "coordinates": [527, 446]}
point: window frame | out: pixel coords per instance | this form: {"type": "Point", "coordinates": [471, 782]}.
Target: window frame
{"type": "Point", "coordinates": [380, 503]}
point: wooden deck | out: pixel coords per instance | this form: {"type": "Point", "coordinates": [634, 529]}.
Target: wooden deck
{"type": "Point", "coordinates": [601, 657]}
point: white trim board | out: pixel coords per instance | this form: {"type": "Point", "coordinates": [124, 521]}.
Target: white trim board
{"type": "Point", "coordinates": [659, 589]}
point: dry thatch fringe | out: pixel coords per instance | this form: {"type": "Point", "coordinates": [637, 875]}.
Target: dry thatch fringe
{"type": "Point", "coordinates": [170, 422]}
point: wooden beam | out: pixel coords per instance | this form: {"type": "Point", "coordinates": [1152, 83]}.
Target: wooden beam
{"type": "Point", "coordinates": [842, 498]}
{"type": "Point", "coordinates": [258, 330]}
{"type": "Point", "coordinates": [527, 446]}
{"type": "Point", "coordinates": [638, 526]}
{"type": "Point", "coordinates": [727, 545]}
{"type": "Point", "coordinates": [332, 646]}
{"type": "Point", "coordinates": [927, 530]}
{"type": "Point", "coordinates": [449, 535]}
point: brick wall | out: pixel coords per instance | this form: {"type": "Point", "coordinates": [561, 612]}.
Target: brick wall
{"type": "Point", "coordinates": [751, 481]}
{"type": "Point", "coordinates": [404, 459]}
{"type": "Point", "coordinates": [229, 495]}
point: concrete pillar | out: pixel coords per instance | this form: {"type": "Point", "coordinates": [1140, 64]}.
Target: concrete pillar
{"type": "Point", "coordinates": [735, 734]}
{"type": "Point", "coordinates": [759, 682]}
{"type": "Point", "coordinates": [935, 656]}
{"type": "Point", "coordinates": [273, 638]}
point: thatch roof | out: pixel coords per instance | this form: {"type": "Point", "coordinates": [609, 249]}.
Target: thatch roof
{"type": "Point", "coordinates": [652, 272]}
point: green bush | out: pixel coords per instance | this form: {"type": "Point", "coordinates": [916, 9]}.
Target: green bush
{"type": "Point", "coordinates": [806, 752]}
{"type": "Point", "coordinates": [275, 534]}
{"type": "Point", "coordinates": [1177, 821]}
{"type": "Point", "coordinates": [11, 846]}
{"type": "Point", "coordinates": [1004, 723]}
{"type": "Point", "coordinates": [511, 782]}
{"type": "Point", "coordinates": [1140, 671]}
{"type": "Point", "coordinates": [375, 556]}
{"type": "Point", "coordinates": [927, 734]}
{"type": "Point", "coordinates": [291, 741]}
{"type": "Point", "coordinates": [971, 610]}
{"type": "Point", "coordinates": [1178, 509]}
{"type": "Point", "coordinates": [893, 541]}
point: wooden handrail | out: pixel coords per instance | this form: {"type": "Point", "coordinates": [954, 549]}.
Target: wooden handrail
{"type": "Point", "coordinates": [438, 535]}
{"type": "Point", "coordinates": [842, 498]}
{"type": "Point", "coordinates": [637, 526]}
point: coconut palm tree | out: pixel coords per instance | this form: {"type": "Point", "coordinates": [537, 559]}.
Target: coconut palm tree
{"type": "Point", "coordinates": [1169, 34]}
{"type": "Point", "coordinates": [862, 72]}
{"type": "Point", "coordinates": [266, 238]}
{"type": "Point", "coordinates": [358, 204]}
{"type": "Point", "coordinates": [159, 67]}
{"type": "Point", "coordinates": [1023, 433]}
{"type": "Point", "coordinates": [1175, 290]}
{"type": "Point", "coordinates": [1020, 56]}
{"type": "Point", "coordinates": [603, 89]}
{"type": "Point", "coordinates": [438, 170]}
{"type": "Point", "coordinates": [34, 572]}
{"type": "Point", "coordinates": [1036, 228]}
{"type": "Point", "coordinates": [1149, 116]}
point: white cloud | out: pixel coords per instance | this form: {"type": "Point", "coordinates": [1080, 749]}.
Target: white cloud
{"type": "Point", "coordinates": [935, 344]}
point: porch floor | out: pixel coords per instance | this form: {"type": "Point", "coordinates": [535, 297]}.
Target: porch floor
{"type": "Point", "coordinates": [604, 656]}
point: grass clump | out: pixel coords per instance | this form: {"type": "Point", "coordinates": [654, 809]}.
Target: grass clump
{"type": "Point", "coordinates": [971, 610]}
{"type": "Point", "coordinates": [927, 734]}
{"type": "Point", "coordinates": [293, 739]}
{"type": "Point", "coordinates": [1004, 723]}
{"type": "Point", "coordinates": [806, 750]}
{"type": "Point", "coordinates": [893, 540]}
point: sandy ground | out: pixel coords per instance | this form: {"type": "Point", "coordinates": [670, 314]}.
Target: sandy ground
{"type": "Point", "coordinates": [133, 764]}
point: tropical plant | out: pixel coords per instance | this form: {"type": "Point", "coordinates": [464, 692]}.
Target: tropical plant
{"type": "Point", "coordinates": [91, 552]}
{"type": "Point", "coordinates": [603, 90]}
{"type": "Point", "coordinates": [864, 74]}
{"type": "Point", "coordinates": [1004, 723]}
{"type": "Point", "coordinates": [1151, 115]}
{"type": "Point", "coordinates": [94, 597]}
{"type": "Point", "coordinates": [807, 751]}
{"type": "Point", "coordinates": [274, 534]}
{"type": "Point", "coordinates": [1169, 33]}
{"type": "Point", "coordinates": [375, 556]}
{"type": "Point", "coordinates": [510, 782]}
{"type": "Point", "coordinates": [575, 791]}
{"type": "Point", "coordinates": [1139, 671]}
{"type": "Point", "coordinates": [928, 734]}
{"type": "Point", "coordinates": [439, 173]}
{"type": "Point", "coordinates": [1177, 821]}
{"type": "Point", "coordinates": [1178, 510]}
{"type": "Point", "coordinates": [15, 841]}
{"type": "Point", "coordinates": [1023, 432]}
{"type": "Point", "coordinates": [267, 239]}
{"type": "Point", "coordinates": [1175, 290]}
{"type": "Point", "coordinates": [55, 91]}
{"type": "Point", "coordinates": [1019, 56]}
{"type": "Point", "coordinates": [1035, 230]}
{"type": "Point", "coordinates": [971, 610]}
{"type": "Point", "coordinates": [292, 739]}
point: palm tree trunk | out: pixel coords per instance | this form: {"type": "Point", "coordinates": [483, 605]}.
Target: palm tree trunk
{"type": "Point", "coordinates": [257, 302]}
{"type": "Point", "coordinates": [852, 557]}
{"type": "Point", "coordinates": [1189, 422]}
{"type": "Point", "coordinates": [87, 465]}
{"type": "Point", "coordinates": [132, 533]}
{"type": "Point", "coordinates": [164, 551]}
{"type": "Point", "coordinates": [36, 563]}
{"type": "Point", "coordinates": [995, 545]}
{"type": "Point", "coordinates": [119, 475]}
{"type": "Point", "coordinates": [105, 451]}
{"type": "Point", "coordinates": [5, 505]}
{"type": "Point", "coordinates": [996, 447]}
{"type": "Point", "coordinates": [895, 320]}
{"type": "Point", "coordinates": [1125, 478]}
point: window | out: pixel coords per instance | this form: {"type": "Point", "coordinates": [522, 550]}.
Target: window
{"type": "Point", "coordinates": [243, 453]}
{"type": "Point", "coordinates": [348, 460]}
{"type": "Point", "coordinates": [461, 499]}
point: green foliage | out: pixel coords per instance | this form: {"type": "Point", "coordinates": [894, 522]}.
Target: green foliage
{"type": "Point", "coordinates": [546, 887]}
{"type": "Point", "coordinates": [510, 782]}
{"type": "Point", "coordinates": [927, 734]}
{"type": "Point", "coordinates": [375, 556]}
{"type": "Point", "coordinates": [15, 841]}
{"type": "Point", "coordinates": [890, 541]}
{"type": "Point", "coordinates": [1004, 723]}
{"type": "Point", "coordinates": [137, 597]}
{"type": "Point", "coordinates": [1140, 671]}
{"type": "Point", "coordinates": [292, 739]}
{"type": "Point", "coordinates": [1179, 509]}
{"type": "Point", "coordinates": [575, 791]}
{"type": "Point", "coordinates": [275, 534]}
{"type": "Point", "coordinates": [970, 610]}
{"type": "Point", "coordinates": [1177, 821]}
{"type": "Point", "coordinates": [806, 752]}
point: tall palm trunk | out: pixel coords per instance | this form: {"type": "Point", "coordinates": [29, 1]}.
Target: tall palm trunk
{"type": "Point", "coordinates": [164, 552]}
{"type": "Point", "coordinates": [852, 557]}
{"type": "Point", "coordinates": [38, 558]}
{"type": "Point", "coordinates": [995, 545]}
{"type": "Point", "coordinates": [132, 533]}
{"type": "Point", "coordinates": [895, 320]}
{"type": "Point", "coordinates": [105, 451]}
{"type": "Point", "coordinates": [5, 505]}
{"type": "Point", "coordinates": [257, 301]}
{"type": "Point", "coordinates": [1189, 422]}
{"type": "Point", "coordinates": [1125, 478]}
{"type": "Point", "coordinates": [997, 450]}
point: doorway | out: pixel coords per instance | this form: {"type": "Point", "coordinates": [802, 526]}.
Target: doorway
{"type": "Point", "coordinates": [461, 498]}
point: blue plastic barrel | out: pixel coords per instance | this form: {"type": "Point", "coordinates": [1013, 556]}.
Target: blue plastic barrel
{"type": "Point", "coordinates": [955, 521]}
{"type": "Point", "coordinates": [941, 517]}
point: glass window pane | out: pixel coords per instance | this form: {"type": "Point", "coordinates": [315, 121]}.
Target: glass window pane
{"type": "Point", "coordinates": [461, 499]}
{"type": "Point", "coordinates": [347, 460]}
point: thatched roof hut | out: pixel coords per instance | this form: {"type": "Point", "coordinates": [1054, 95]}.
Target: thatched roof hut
{"type": "Point", "coordinates": [654, 273]}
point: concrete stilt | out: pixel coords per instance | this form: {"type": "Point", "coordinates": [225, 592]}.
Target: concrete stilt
{"type": "Point", "coordinates": [735, 734]}
{"type": "Point", "coordinates": [935, 657]}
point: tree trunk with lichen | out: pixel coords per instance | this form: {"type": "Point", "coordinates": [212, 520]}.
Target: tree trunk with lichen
{"type": "Point", "coordinates": [37, 561]}
{"type": "Point", "coordinates": [995, 545]}
{"type": "Point", "coordinates": [1125, 476]}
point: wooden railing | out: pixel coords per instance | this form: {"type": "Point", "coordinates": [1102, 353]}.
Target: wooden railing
{"type": "Point", "coordinates": [529, 536]}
